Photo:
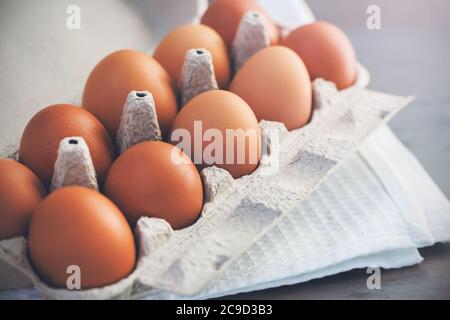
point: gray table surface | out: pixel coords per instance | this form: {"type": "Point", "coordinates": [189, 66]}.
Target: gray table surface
{"type": "Point", "coordinates": [410, 55]}
{"type": "Point", "coordinates": [41, 63]}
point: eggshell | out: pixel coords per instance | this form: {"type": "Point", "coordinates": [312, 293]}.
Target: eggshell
{"type": "Point", "coordinates": [78, 226]}
{"type": "Point", "coordinates": [43, 133]}
{"type": "Point", "coordinates": [326, 51]}
{"type": "Point", "coordinates": [275, 84]}
{"type": "Point", "coordinates": [171, 52]}
{"type": "Point", "coordinates": [20, 193]}
{"type": "Point", "coordinates": [116, 76]}
{"type": "Point", "coordinates": [220, 110]}
{"type": "Point", "coordinates": [224, 16]}
{"type": "Point", "coordinates": [145, 181]}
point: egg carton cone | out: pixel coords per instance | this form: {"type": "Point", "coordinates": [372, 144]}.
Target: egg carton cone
{"type": "Point", "coordinates": [251, 36]}
{"type": "Point", "coordinates": [237, 212]}
{"type": "Point", "coordinates": [74, 166]}
{"type": "Point", "coordinates": [197, 74]}
{"type": "Point", "coordinates": [139, 121]}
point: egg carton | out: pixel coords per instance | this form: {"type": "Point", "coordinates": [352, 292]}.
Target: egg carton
{"type": "Point", "coordinates": [237, 212]}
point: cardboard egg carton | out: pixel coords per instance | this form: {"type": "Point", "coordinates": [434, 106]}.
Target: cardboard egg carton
{"type": "Point", "coordinates": [237, 212]}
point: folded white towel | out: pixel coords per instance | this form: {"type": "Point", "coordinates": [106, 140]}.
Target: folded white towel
{"type": "Point", "coordinates": [373, 211]}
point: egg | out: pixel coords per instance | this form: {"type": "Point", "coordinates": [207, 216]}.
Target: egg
{"type": "Point", "coordinates": [43, 133]}
{"type": "Point", "coordinates": [120, 73]}
{"type": "Point", "coordinates": [224, 16]}
{"type": "Point", "coordinates": [147, 180]}
{"type": "Point", "coordinates": [275, 84]}
{"type": "Point", "coordinates": [326, 51]}
{"type": "Point", "coordinates": [20, 193]}
{"type": "Point", "coordinates": [172, 50]}
{"type": "Point", "coordinates": [76, 226]}
{"type": "Point", "coordinates": [219, 128]}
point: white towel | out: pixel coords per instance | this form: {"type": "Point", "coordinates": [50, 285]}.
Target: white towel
{"type": "Point", "coordinates": [375, 210]}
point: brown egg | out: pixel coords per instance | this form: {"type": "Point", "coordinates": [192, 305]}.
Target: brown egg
{"type": "Point", "coordinates": [116, 76]}
{"type": "Point", "coordinates": [224, 16]}
{"type": "Point", "coordinates": [206, 120]}
{"type": "Point", "coordinates": [275, 84]}
{"type": "Point", "coordinates": [76, 226]}
{"type": "Point", "coordinates": [146, 181]}
{"type": "Point", "coordinates": [172, 51]}
{"type": "Point", "coordinates": [326, 52]}
{"type": "Point", "coordinates": [20, 193]}
{"type": "Point", "coordinates": [42, 135]}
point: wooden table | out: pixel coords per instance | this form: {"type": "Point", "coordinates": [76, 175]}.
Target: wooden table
{"type": "Point", "coordinates": [410, 55]}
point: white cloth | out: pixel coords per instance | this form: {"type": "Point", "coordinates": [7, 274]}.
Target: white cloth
{"type": "Point", "coordinates": [384, 204]}
{"type": "Point", "coordinates": [291, 14]}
